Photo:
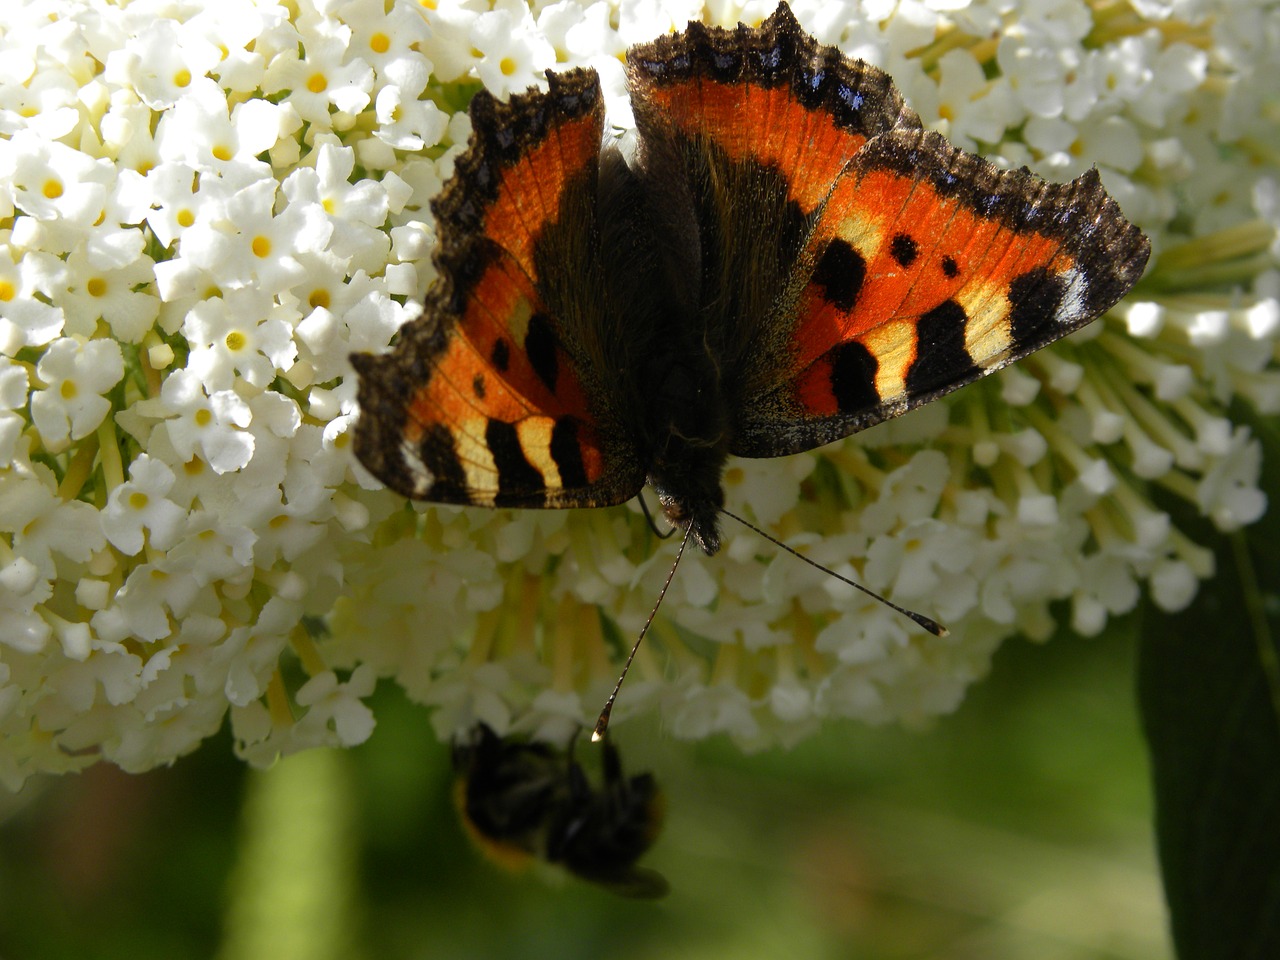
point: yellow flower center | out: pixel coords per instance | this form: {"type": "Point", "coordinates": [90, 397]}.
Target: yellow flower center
{"type": "Point", "coordinates": [68, 389]}
{"type": "Point", "coordinates": [96, 286]}
{"type": "Point", "coordinates": [182, 78]}
{"type": "Point", "coordinates": [204, 417]}
{"type": "Point", "coordinates": [138, 500]}
{"type": "Point", "coordinates": [316, 83]}
{"type": "Point", "coordinates": [319, 298]}
{"type": "Point", "coordinates": [236, 341]}
{"type": "Point", "coordinates": [52, 189]}
{"type": "Point", "coordinates": [379, 43]}
{"type": "Point", "coordinates": [261, 246]}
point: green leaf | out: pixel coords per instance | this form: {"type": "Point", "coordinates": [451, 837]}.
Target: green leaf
{"type": "Point", "coordinates": [1209, 692]}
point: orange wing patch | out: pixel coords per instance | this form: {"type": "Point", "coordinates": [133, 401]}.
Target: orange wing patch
{"type": "Point", "coordinates": [930, 268]}
{"type": "Point", "coordinates": [768, 126]}
{"type": "Point", "coordinates": [532, 187]}
{"type": "Point", "coordinates": [771, 95]}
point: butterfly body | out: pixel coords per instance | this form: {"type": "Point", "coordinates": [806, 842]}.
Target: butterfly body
{"type": "Point", "coordinates": [787, 259]}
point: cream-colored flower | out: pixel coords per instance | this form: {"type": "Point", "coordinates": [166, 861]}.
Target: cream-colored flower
{"type": "Point", "coordinates": [161, 556]}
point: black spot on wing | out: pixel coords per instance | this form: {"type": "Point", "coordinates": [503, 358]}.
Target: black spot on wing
{"type": "Point", "coordinates": [438, 452]}
{"type": "Point", "coordinates": [477, 386]}
{"type": "Point", "coordinates": [500, 357]}
{"type": "Point", "coordinates": [941, 356]}
{"type": "Point", "coordinates": [1034, 299]}
{"type": "Point", "coordinates": [840, 273]}
{"type": "Point", "coordinates": [567, 453]}
{"type": "Point", "coordinates": [904, 249]}
{"type": "Point", "coordinates": [949, 266]}
{"type": "Point", "coordinates": [517, 477]}
{"type": "Point", "coordinates": [540, 345]}
{"type": "Point", "coordinates": [853, 377]}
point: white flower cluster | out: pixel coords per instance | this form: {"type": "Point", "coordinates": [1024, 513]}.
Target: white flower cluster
{"type": "Point", "coordinates": [204, 208]}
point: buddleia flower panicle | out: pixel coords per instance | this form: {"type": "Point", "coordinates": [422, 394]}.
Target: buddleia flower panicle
{"type": "Point", "coordinates": [204, 211]}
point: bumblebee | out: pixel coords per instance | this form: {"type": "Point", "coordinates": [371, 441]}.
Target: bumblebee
{"type": "Point", "coordinates": [523, 801]}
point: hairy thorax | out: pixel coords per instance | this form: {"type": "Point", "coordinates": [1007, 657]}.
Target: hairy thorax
{"type": "Point", "coordinates": [689, 440]}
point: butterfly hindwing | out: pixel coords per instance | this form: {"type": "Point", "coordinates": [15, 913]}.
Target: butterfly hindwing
{"type": "Point", "coordinates": [928, 268]}
{"type": "Point", "coordinates": [484, 401]}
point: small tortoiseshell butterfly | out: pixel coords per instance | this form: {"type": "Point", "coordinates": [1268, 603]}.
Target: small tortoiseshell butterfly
{"type": "Point", "coordinates": [789, 258]}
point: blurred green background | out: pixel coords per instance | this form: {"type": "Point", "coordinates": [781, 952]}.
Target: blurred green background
{"type": "Point", "coordinates": [1017, 828]}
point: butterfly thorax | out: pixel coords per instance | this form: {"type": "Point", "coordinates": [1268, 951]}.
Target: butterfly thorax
{"type": "Point", "coordinates": [689, 440]}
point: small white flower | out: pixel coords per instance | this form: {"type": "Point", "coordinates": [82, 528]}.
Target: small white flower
{"type": "Point", "coordinates": [705, 711]}
{"type": "Point", "coordinates": [76, 373]}
{"type": "Point", "coordinates": [388, 39]}
{"type": "Point", "coordinates": [141, 608]}
{"type": "Point", "coordinates": [1178, 70]}
{"type": "Point", "coordinates": [449, 46]}
{"type": "Point", "coordinates": [324, 78]}
{"type": "Point", "coordinates": [1037, 74]}
{"type": "Point", "coordinates": [1173, 585]}
{"type": "Point", "coordinates": [355, 211]}
{"type": "Point", "coordinates": [213, 548]}
{"type": "Point", "coordinates": [162, 62]}
{"type": "Point", "coordinates": [212, 424]}
{"type": "Point", "coordinates": [52, 182]}
{"type": "Point", "coordinates": [167, 197]}
{"type": "Point", "coordinates": [513, 53]}
{"type": "Point", "coordinates": [141, 504]}
{"type": "Point", "coordinates": [116, 296]}
{"type": "Point", "coordinates": [42, 101]}
{"type": "Point", "coordinates": [21, 589]}
{"type": "Point", "coordinates": [1229, 493]}
{"type": "Point", "coordinates": [13, 395]}
{"type": "Point", "coordinates": [44, 526]}
{"type": "Point", "coordinates": [973, 107]}
{"type": "Point", "coordinates": [243, 332]}
{"type": "Point", "coordinates": [259, 246]}
{"type": "Point", "coordinates": [927, 562]}
{"type": "Point", "coordinates": [201, 132]}
{"type": "Point", "coordinates": [334, 709]}
{"type": "Point", "coordinates": [25, 319]}
{"type": "Point", "coordinates": [407, 122]}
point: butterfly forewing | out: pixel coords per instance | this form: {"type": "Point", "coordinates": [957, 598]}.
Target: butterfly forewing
{"type": "Point", "coordinates": [481, 402]}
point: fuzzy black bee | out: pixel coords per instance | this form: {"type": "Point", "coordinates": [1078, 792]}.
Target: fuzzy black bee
{"type": "Point", "coordinates": [523, 801]}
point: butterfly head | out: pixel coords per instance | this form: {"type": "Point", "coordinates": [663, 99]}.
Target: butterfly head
{"type": "Point", "coordinates": [700, 514]}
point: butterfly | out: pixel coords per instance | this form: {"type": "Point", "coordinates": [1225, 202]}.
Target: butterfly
{"type": "Point", "coordinates": [524, 799]}
{"type": "Point", "coordinates": [787, 258]}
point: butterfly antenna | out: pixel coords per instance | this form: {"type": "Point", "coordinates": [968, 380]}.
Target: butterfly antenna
{"type": "Point", "coordinates": [933, 626]}
{"type": "Point", "coordinates": [602, 723]}
{"type": "Point", "coordinates": [653, 525]}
